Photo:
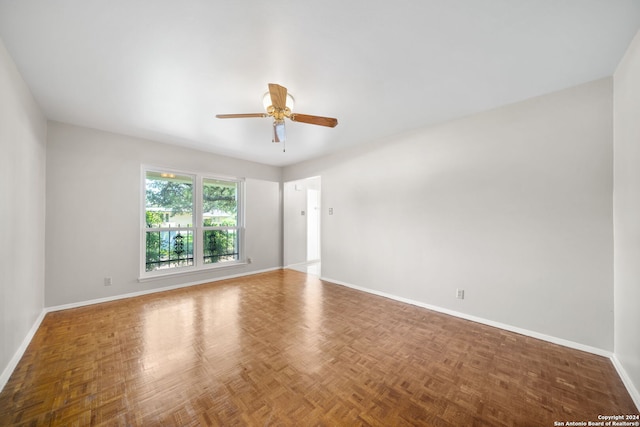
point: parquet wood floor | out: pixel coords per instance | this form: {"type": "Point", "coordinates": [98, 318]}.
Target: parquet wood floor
{"type": "Point", "coordinates": [284, 348]}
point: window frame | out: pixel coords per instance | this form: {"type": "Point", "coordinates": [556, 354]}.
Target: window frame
{"type": "Point", "coordinates": [197, 227]}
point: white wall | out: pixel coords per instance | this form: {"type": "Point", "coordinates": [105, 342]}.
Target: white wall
{"type": "Point", "coordinates": [22, 211]}
{"type": "Point", "coordinates": [93, 216]}
{"type": "Point", "coordinates": [294, 223]}
{"type": "Point", "coordinates": [512, 205]}
{"type": "Point", "coordinates": [626, 208]}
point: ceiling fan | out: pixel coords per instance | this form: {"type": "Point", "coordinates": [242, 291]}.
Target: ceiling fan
{"type": "Point", "coordinates": [278, 103]}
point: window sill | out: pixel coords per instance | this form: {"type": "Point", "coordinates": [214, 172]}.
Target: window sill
{"type": "Point", "coordinates": [190, 271]}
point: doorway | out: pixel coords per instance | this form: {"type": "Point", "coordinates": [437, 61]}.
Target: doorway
{"type": "Point", "coordinates": [302, 221]}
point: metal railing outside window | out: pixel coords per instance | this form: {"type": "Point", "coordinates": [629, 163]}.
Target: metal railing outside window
{"type": "Point", "coordinates": [220, 245]}
{"type": "Point", "coordinates": [169, 249]}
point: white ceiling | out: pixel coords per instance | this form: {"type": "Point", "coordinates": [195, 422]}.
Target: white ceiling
{"type": "Point", "coordinates": [162, 69]}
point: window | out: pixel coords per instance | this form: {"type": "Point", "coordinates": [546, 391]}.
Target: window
{"type": "Point", "coordinates": [190, 222]}
{"type": "Point", "coordinates": [219, 220]}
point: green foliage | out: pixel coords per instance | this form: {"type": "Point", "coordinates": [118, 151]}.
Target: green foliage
{"type": "Point", "coordinates": [219, 245]}
{"type": "Point", "coordinates": [176, 197]}
{"type": "Point", "coordinates": [219, 198]}
{"type": "Point", "coordinates": [153, 218]}
{"type": "Point", "coordinates": [225, 222]}
{"type": "Point", "coordinates": [153, 251]}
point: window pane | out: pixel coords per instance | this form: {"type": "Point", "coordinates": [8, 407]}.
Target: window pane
{"type": "Point", "coordinates": [169, 200]}
{"type": "Point", "coordinates": [220, 246]}
{"type": "Point", "coordinates": [169, 249]}
{"type": "Point", "coordinates": [219, 203]}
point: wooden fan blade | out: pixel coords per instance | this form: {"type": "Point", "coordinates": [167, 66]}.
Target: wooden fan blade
{"type": "Point", "coordinates": [314, 120]}
{"type": "Point", "coordinates": [241, 116]}
{"type": "Point", "coordinates": [278, 96]}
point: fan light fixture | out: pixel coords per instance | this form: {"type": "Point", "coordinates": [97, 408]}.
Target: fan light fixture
{"type": "Point", "coordinates": [278, 131]}
{"type": "Point", "coordinates": [266, 101]}
{"type": "Point", "coordinates": [278, 104]}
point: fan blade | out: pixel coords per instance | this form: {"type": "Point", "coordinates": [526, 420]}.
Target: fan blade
{"type": "Point", "coordinates": [278, 96]}
{"type": "Point", "coordinates": [314, 120]}
{"type": "Point", "coordinates": [241, 116]}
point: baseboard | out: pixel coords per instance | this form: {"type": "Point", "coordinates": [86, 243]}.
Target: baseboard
{"type": "Point", "coordinates": [633, 391]}
{"type": "Point", "coordinates": [626, 380]}
{"type": "Point", "coordinates": [8, 370]}
{"type": "Point", "coordinates": [301, 264]}
{"type": "Point", "coordinates": [153, 291]}
{"type": "Point", "coordinates": [506, 327]}
{"type": "Point", "coordinates": [6, 374]}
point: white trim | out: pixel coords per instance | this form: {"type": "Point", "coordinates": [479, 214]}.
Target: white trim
{"type": "Point", "coordinates": [13, 363]}
{"type": "Point", "coordinates": [301, 264]}
{"type": "Point", "coordinates": [153, 291]}
{"type": "Point", "coordinates": [626, 380]}
{"type": "Point", "coordinates": [506, 327]}
{"type": "Point", "coordinates": [8, 370]}
{"type": "Point", "coordinates": [198, 250]}
{"type": "Point", "coordinates": [189, 270]}
{"type": "Point", "coordinates": [633, 391]}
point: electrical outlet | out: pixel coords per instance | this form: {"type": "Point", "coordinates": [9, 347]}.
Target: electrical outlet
{"type": "Point", "coordinates": [330, 211]}
{"type": "Point", "coordinates": [249, 260]}
{"type": "Point", "coordinates": [460, 293]}
{"type": "Point", "coordinates": [108, 281]}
